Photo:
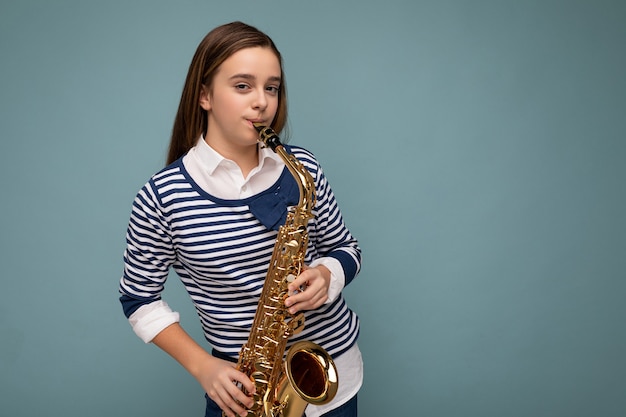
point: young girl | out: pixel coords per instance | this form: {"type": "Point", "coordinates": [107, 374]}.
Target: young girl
{"type": "Point", "coordinates": [212, 214]}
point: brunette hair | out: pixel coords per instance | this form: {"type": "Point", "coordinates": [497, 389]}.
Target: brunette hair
{"type": "Point", "coordinates": [217, 46]}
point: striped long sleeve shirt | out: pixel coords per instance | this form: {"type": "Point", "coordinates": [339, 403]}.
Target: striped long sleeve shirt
{"type": "Point", "coordinates": [221, 249]}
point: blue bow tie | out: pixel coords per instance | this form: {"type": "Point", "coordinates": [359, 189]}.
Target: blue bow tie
{"type": "Point", "coordinates": [270, 208]}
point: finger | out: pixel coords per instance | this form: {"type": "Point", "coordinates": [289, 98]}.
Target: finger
{"type": "Point", "coordinates": [299, 284]}
{"type": "Point", "coordinates": [230, 391]}
{"type": "Point", "coordinates": [299, 297]}
{"type": "Point", "coordinates": [228, 405]}
{"type": "Point", "coordinates": [306, 300]}
{"type": "Point", "coordinates": [242, 380]}
{"type": "Point", "coordinates": [234, 401]}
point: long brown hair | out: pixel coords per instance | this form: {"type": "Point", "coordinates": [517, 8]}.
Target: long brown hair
{"type": "Point", "coordinates": [217, 46]}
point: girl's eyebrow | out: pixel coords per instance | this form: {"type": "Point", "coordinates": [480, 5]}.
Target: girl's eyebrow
{"type": "Point", "coordinates": [252, 77]}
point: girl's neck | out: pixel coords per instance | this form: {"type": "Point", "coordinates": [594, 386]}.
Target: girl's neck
{"type": "Point", "coordinates": [246, 157]}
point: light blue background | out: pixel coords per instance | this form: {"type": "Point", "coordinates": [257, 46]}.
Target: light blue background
{"type": "Point", "coordinates": [477, 149]}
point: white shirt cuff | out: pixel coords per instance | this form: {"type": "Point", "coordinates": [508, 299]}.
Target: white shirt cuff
{"type": "Point", "coordinates": [150, 319]}
{"type": "Point", "coordinates": [337, 277]}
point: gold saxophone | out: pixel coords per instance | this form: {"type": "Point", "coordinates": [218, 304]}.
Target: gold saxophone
{"type": "Point", "coordinates": [308, 374]}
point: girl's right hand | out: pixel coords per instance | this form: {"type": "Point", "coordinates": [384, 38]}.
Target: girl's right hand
{"type": "Point", "coordinates": [221, 381]}
{"type": "Point", "coordinates": [219, 378]}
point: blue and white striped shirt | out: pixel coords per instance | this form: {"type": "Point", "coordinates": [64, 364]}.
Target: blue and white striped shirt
{"type": "Point", "coordinates": [221, 251]}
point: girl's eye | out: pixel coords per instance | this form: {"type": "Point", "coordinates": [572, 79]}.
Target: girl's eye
{"type": "Point", "coordinates": [241, 87]}
{"type": "Point", "coordinates": [272, 89]}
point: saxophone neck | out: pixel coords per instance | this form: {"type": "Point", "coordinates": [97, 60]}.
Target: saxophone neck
{"type": "Point", "coordinates": [303, 177]}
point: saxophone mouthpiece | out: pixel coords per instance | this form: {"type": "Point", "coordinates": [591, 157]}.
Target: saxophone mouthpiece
{"type": "Point", "coordinates": [267, 136]}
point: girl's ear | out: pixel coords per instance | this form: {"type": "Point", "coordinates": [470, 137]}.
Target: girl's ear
{"type": "Point", "coordinates": [205, 98]}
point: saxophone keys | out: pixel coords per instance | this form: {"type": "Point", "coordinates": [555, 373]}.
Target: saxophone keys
{"type": "Point", "coordinates": [289, 279]}
{"type": "Point", "coordinates": [262, 367]}
{"type": "Point", "coordinates": [259, 378]}
{"type": "Point", "coordinates": [253, 412]}
{"type": "Point", "coordinates": [297, 323]}
{"type": "Point", "coordinates": [258, 401]}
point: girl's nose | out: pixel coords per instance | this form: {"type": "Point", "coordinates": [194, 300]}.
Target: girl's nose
{"type": "Point", "coordinates": [260, 101]}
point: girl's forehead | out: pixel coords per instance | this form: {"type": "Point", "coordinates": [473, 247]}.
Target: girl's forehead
{"type": "Point", "coordinates": [256, 60]}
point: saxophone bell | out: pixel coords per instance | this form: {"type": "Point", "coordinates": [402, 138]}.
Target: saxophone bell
{"type": "Point", "coordinates": [309, 377]}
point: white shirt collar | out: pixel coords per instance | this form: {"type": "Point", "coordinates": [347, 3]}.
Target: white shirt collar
{"type": "Point", "coordinates": [211, 160]}
{"type": "Point", "coordinates": [223, 178]}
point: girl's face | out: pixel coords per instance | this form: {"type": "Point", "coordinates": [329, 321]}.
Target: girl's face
{"type": "Point", "coordinates": [244, 91]}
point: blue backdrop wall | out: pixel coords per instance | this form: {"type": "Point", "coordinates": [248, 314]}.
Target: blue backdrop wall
{"type": "Point", "coordinates": [477, 149]}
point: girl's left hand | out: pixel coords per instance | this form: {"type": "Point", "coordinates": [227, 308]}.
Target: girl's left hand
{"type": "Point", "coordinates": [315, 282]}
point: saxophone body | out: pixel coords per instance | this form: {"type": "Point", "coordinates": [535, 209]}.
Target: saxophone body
{"type": "Point", "coordinates": [307, 375]}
